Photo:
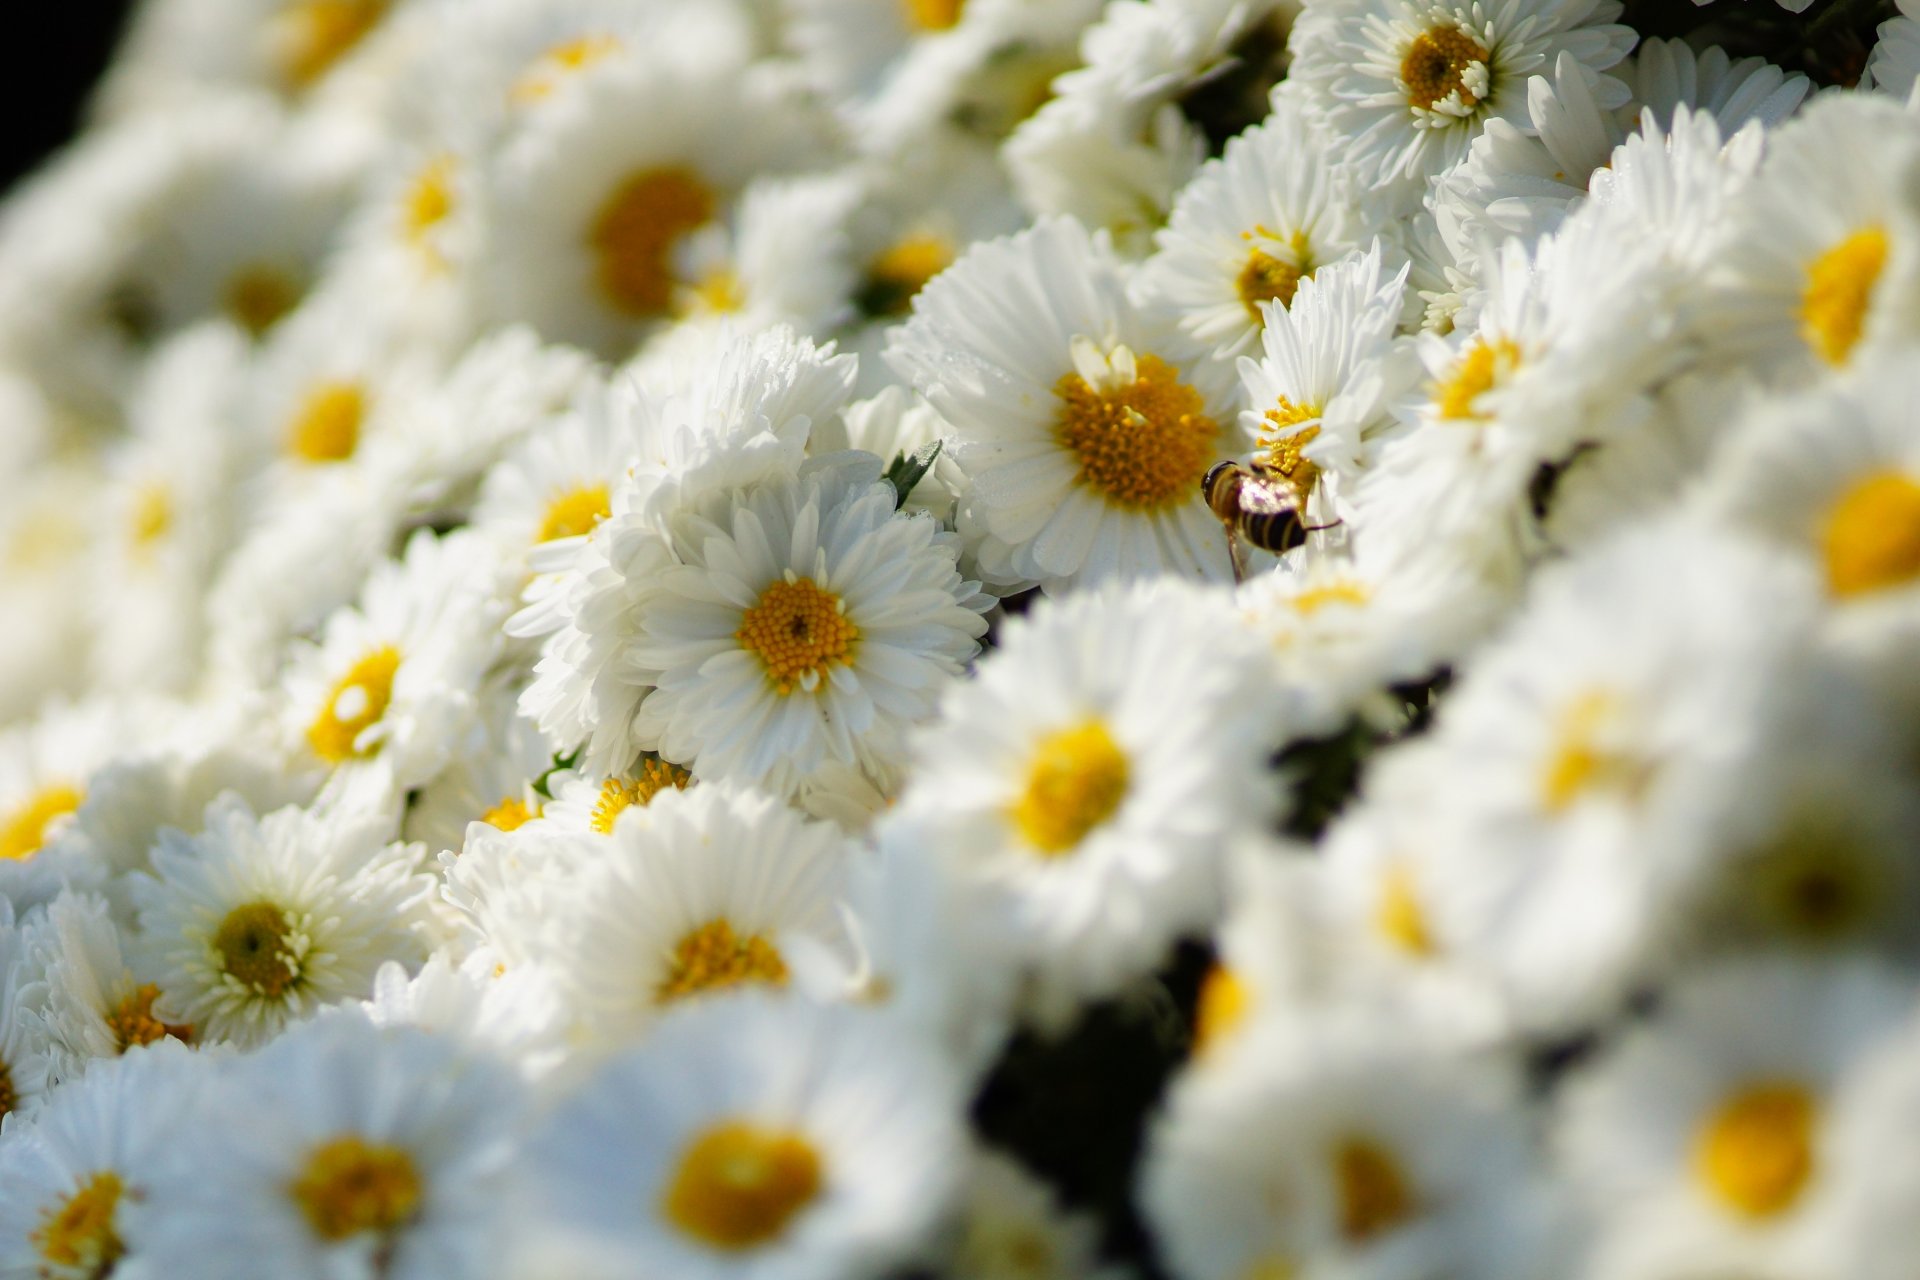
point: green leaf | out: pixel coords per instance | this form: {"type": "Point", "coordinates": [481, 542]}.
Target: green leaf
{"type": "Point", "coordinates": [560, 762]}
{"type": "Point", "coordinates": [906, 471]}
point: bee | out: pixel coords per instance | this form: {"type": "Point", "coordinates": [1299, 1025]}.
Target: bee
{"type": "Point", "coordinates": [1260, 504]}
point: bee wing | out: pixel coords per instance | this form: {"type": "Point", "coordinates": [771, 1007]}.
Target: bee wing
{"type": "Point", "coordinates": [1261, 497]}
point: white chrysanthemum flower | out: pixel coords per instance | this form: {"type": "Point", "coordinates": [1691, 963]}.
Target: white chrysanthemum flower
{"type": "Point", "coordinates": [1253, 225]}
{"type": "Point", "coordinates": [698, 893]}
{"type": "Point", "coordinates": [781, 257]}
{"type": "Point", "coordinates": [1013, 1227]}
{"type": "Point", "coordinates": [1666, 75]}
{"type": "Point", "coordinates": [1083, 787]}
{"type": "Point", "coordinates": [1411, 82]}
{"type": "Point", "coordinates": [390, 686]}
{"type": "Point", "coordinates": [89, 999]}
{"type": "Point", "coordinates": [26, 1073]}
{"type": "Point", "coordinates": [515, 1013]}
{"type": "Point", "coordinates": [47, 765]}
{"type": "Point", "coordinates": [1702, 1143]}
{"type": "Point", "coordinates": [259, 922]}
{"type": "Point", "coordinates": [71, 1174]}
{"type": "Point", "coordinates": [1894, 66]}
{"type": "Point", "coordinates": [747, 1138]}
{"type": "Point", "coordinates": [1349, 1144]}
{"type": "Point", "coordinates": [45, 540]}
{"type": "Point", "coordinates": [352, 1150]}
{"type": "Point", "coordinates": [1084, 444]}
{"type": "Point", "coordinates": [1876, 1179]}
{"type": "Point", "coordinates": [1822, 254]}
{"type": "Point", "coordinates": [491, 777]}
{"type": "Point", "coordinates": [892, 423]}
{"type": "Point", "coordinates": [558, 481]}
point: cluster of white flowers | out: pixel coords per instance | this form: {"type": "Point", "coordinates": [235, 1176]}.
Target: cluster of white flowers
{"type": "Point", "coordinates": [627, 653]}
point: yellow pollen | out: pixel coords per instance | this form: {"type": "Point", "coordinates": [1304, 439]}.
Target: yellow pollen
{"type": "Point", "coordinates": [8, 1098]}
{"type": "Point", "coordinates": [80, 1233]}
{"type": "Point", "coordinates": [903, 269]}
{"type": "Point", "coordinates": [934, 15]}
{"type": "Point", "coordinates": [350, 1186]}
{"type": "Point", "coordinates": [252, 945]}
{"type": "Point", "coordinates": [356, 703]}
{"type": "Point", "coordinates": [1435, 67]}
{"type": "Point", "coordinates": [26, 829]}
{"type": "Point", "coordinates": [799, 632]}
{"type": "Point", "coordinates": [552, 68]}
{"type": "Point", "coordinates": [636, 231]}
{"type": "Point", "coordinates": [713, 958]}
{"type": "Point", "coordinates": [1840, 282]}
{"type": "Point", "coordinates": [719, 290]}
{"type": "Point", "coordinates": [1581, 763]}
{"type": "Point", "coordinates": [152, 515]}
{"type": "Point", "coordinates": [1266, 278]}
{"type": "Point", "coordinates": [428, 202]}
{"type": "Point", "coordinates": [617, 795]}
{"type": "Point", "coordinates": [327, 427]}
{"type": "Point", "coordinates": [1223, 1005]}
{"type": "Point", "coordinates": [1482, 367]}
{"type": "Point", "coordinates": [1076, 781]}
{"type": "Point", "coordinates": [257, 296]}
{"type": "Point", "coordinates": [1872, 536]}
{"type": "Point", "coordinates": [132, 1021]}
{"type": "Point", "coordinates": [737, 1186]}
{"type": "Point", "coordinates": [1143, 446]}
{"type": "Point", "coordinates": [510, 814]}
{"type": "Point", "coordinates": [1374, 1197]}
{"type": "Point", "coordinates": [572, 514]}
{"type": "Point", "coordinates": [1755, 1152]}
{"type": "Point", "coordinates": [1397, 914]}
{"type": "Point", "coordinates": [1284, 451]}
{"type": "Point", "coordinates": [1339, 591]}
{"type": "Point", "coordinates": [316, 34]}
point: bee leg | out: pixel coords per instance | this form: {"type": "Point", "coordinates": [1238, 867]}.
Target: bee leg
{"type": "Point", "coordinates": [1237, 552]}
{"type": "Point", "coordinates": [1332, 524]}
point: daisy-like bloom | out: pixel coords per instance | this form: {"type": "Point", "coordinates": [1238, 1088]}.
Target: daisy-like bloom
{"type": "Point", "coordinates": [25, 1069]}
{"type": "Point", "coordinates": [1820, 260]}
{"type": "Point", "coordinates": [71, 1174]}
{"type": "Point", "coordinates": [90, 1001]}
{"type": "Point", "coordinates": [355, 1150]}
{"type": "Point", "coordinates": [46, 767]}
{"type": "Point", "coordinates": [1083, 442]}
{"type": "Point", "coordinates": [1013, 1227]}
{"type": "Point", "coordinates": [258, 922]}
{"type": "Point", "coordinates": [1702, 1143]}
{"type": "Point", "coordinates": [1251, 227]}
{"type": "Point", "coordinates": [515, 1013]}
{"type": "Point", "coordinates": [1877, 1180]}
{"type": "Point", "coordinates": [1666, 75]}
{"type": "Point", "coordinates": [1895, 64]}
{"type": "Point", "coordinates": [490, 780]}
{"type": "Point", "coordinates": [390, 685]}
{"type": "Point", "coordinates": [1081, 790]}
{"type": "Point", "coordinates": [698, 893]}
{"type": "Point", "coordinates": [1347, 1143]}
{"type": "Point", "coordinates": [1604, 751]}
{"type": "Point", "coordinates": [1410, 83]}
{"type": "Point", "coordinates": [747, 1138]}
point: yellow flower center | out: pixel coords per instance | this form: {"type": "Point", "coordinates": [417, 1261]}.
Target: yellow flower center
{"type": "Point", "coordinates": [798, 631]}
{"type": "Point", "coordinates": [26, 829]}
{"type": "Point", "coordinates": [253, 944]}
{"type": "Point", "coordinates": [1481, 367]}
{"type": "Point", "coordinates": [1284, 451]}
{"type": "Point", "coordinates": [1271, 1267]}
{"type": "Point", "coordinates": [901, 270]}
{"type": "Point", "coordinates": [1266, 278]}
{"type": "Point", "coordinates": [737, 1186]}
{"type": "Point", "coordinates": [510, 814]}
{"type": "Point", "coordinates": [575, 513]}
{"type": "Point", "coordinates": [1224, 1004]}
{"type": "Point", "coordinates": [1374, 1196]}
{"type": "Point", "coordinates": [552, 68]}
{"type": "Point", "coordinates": [151, 517]}
{"type": "Point", "coordinates": [350, 1186]}
{"type": "Point", "coordinates": [257, 296]}
{"type": "Point", "coordinates": [327, 426]}
{"type": "Point", "coordinates": [1143, 445]}
{"type": "Point", "coordinates": [1397, 914]}
{"type": "Point", "coordinates": [1076, 781]}
{"type": "Point", "coordinates": [1833, 310]}
{"type": "Point", "coordinates": [1582, 762]}
{"type": "Point", "coordinates": [635, 232]}
{"type": "Point", "coordinates": [713, 958]}
{"type": "Point", "coordinates": [1435, 66]}
{"type": "Point", "coordinates": [1339, 591]}
{"type": "Point", "coordinates": [617, 795]}
{"type": "Point", "coordinates": [80, 1233]}
{"type": "Point", "coordinates": [1755, 1152]}
{"type": "Point", "coordinates": [1872, 535]}
{"type": "Point", "coordinates": [719, 290]}
{"type": "Point", "coordinates": [8, 1098]}
{"type": "Point", "coordinates": [132, 1021]}
{"type": "Point", "coordinates": [933, 15]}
{"type": "Point", "coordinates": [316, 34]}
{"type": "Point", "coordinates": [426, 206]}
{"type": "Point", "coordinates": [356, 704]}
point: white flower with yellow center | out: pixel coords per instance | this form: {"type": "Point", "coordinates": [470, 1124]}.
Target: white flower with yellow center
{"type": "Point", "coordinates": [70, 1175]}
{"type": "Point", "coordinates": [1253, 225]}
{"type": "Point", "coordinates": [330, 50]}
{"type": "Point", "coordinates": [698, 894]}
{"type": "Point", "coordinates": [1083, 442]}
{"type": "Point", "coordinates": [259, 922]}
{"type": "Point", "coordinates": [389, 688]}
{"type": "Point", "coordinates": [747, 1138]}
{"type": "Point", "coordinates": [1895, 65]}
{"type": "Point", "coordinates": [1410, 83]}
{"type": "Point", "coordinates": [1082, 789]}
{"type": "Point", "coordinates": [491, 778]}
{"type": "Point", "coordinates": [1702, 1144]}
{"type": "Point", "coordinates": [91, 1003]}
{"type": "Point", "coordinates": [47, 766]}
{"type": "Point", "coordinates": [1346, 1142]}
{"type": "Point", "coordinates": [355, 1149]}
